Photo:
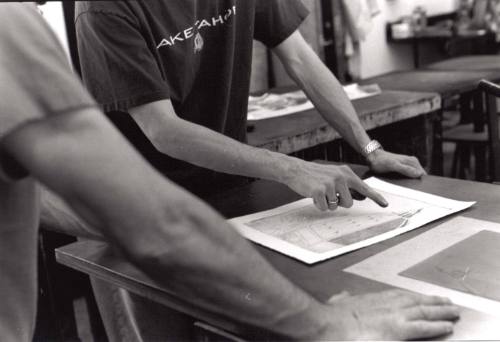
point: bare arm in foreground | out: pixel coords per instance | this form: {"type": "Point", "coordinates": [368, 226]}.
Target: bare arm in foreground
{"type": "Point", "coordinates": [185, 242]}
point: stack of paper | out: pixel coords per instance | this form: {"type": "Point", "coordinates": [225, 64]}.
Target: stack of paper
{"type": "Point", "coordinates": [274, 105]}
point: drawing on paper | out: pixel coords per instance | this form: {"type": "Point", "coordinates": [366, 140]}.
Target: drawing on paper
{"type": "Point", "coordinates": [470, 266]}
{"type": "Point", "coordinates": [302, 231]}
{"type": "Point", "coordinates": [318, 231]}
{"type": "Point", "coordinates": [457, 259]}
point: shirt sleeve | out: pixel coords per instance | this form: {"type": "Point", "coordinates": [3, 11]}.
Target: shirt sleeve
{"type": "Point", "coordinates": [36, 79]}
{"type": "Point", "coordinates": [118, 66]}
{"type": "Point", "coordinates": [276, 20]}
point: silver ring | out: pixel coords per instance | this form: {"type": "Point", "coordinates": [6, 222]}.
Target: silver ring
{"type": "Point", "coordinates": [337, 200]}
{"type": "Point", "coordinates": [332, 205]}
{"type": "Point", "coordinates": [333, 202]}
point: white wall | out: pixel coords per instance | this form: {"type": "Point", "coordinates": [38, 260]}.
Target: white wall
{"type": "Point", "coordinates": [53, 13]}
{"type": "Point", "coordinates": [377, 55]}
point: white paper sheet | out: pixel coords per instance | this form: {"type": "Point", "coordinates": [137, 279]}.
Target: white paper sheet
{"type": "Point", "coordinates": [274, 105]}
{"type": "Point", "coordinates": [389, 266]}
{"type": "Point", "coordinates": [301, 231]}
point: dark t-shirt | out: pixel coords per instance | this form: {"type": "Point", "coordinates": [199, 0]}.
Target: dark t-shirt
{"type": "Point", "coordinates": [197, 53]}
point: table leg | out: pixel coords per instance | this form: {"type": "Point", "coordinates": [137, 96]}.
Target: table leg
{"type": "Point", "coordinates": [480, 163]}
{"type": "Point", "coordinates": [416, 53]}
{"type": "Point", "coordinates": [435, 144]}
{"type": "Point", "coordinates": [466, 110]}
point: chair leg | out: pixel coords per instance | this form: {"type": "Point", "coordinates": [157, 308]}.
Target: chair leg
{"type": "Point", "coordinates": [481, 165]}
{"type": "Point", "coordinates": [464, 162]}
{"type": "Point", "coordinates": [456, 160]}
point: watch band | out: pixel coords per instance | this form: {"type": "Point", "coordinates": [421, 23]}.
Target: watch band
{"type": "Point", "coordinates": [371, 147]}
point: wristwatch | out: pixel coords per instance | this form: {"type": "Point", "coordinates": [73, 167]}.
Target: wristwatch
{"type": "Point", "coordinates": [371, 147]}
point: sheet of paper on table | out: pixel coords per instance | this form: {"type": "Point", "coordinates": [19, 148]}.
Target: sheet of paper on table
{"type": "Point", "coordinates": [301, 231]}
{"type": "Point", "coordinates": [274, 105]}
{"type": "Point", "coordinates": [458, 259]}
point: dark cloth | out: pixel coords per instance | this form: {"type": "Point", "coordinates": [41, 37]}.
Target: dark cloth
{"type": "Point", "coordinates": [197, 53]}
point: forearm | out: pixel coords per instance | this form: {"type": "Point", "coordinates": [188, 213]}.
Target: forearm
{"type": "Point", "coordinates": [324, 90]}
{"type": "Point", "coordinates": [56, 215]}
{"type": "Point", "coordinates": [203, 147]}
{"type": "Point", "coordinates": [332, 102]}
{"type": "Point", "coordinates": [193, 252]}
{"type": "Point", "coordinates": [218, 264]}
{"type": "Point", "coordinates": [168, 233]}
{"type": "Point", "coordinates": [328, 96]}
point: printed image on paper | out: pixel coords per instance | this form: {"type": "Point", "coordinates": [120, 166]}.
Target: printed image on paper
{"type": "Point", "coordinates": [271, 105]}
{"type": "Point", "coordinates": [319, 231]}
{"type": "Point", "coordinates": [302, 231]}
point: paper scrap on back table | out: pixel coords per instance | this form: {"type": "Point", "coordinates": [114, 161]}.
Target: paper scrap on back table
{"type": "Point", "coordinates": [303, 232]}
{"type": "Point", "coordinates": [271, 105]}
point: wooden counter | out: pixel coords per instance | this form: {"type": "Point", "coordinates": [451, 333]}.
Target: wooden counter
{"type": "Point", "coordinates": [300, 131]}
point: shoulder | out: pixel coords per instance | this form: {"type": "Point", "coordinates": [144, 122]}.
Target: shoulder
{"type": "Point", "coordinates": [13, 14]}
{"type": "Point", "coordinates": [124, 9]}
{"type": "Point", "coordinates": [23, 30]}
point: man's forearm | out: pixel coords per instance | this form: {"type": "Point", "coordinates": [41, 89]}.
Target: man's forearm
{"type": "Point", "coordinates": [328, 96]}
{"type": "Point", "coordinates": [203, 147]}
{"type": "Point", "coordinates": [196, 144]}
{"type": "Point", "coordinates": [217, 263]}
{"type": "Point", "coordinates": [330, 99]}
{"type": "Point", "coordinates": [323, 89]}
{"type": "Point", "coordinates": [171, 235]}
{"type": "Point", "coordinates": [56, 215]}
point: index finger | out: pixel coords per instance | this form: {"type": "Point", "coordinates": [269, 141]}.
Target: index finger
{"type": "Point", "coordinates": [362, 188]}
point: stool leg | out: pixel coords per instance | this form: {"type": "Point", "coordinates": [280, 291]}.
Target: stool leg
{"type": "Point", "coordinates": [455, 163]}
{"type": "Point", "coordinates": [464, 168]}
{"type": "Point", "coordinates": [480, 160]}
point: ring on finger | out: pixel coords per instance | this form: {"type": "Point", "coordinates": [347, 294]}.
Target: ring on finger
{"type": "Point", "coordinates": [335, 203]}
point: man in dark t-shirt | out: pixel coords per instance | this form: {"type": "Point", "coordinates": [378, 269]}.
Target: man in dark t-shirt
{"type": "Point", "coordinates": [174, 76]}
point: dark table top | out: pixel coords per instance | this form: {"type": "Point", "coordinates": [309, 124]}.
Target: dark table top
{"type": "Point", "coordinates": [444, 82]}
{"type": "Point", "coordinates": [321, 280]}
{"type": "Point", "coordinates": [478, 62]}
{"type": "Point", "coordinates": [296, 132]}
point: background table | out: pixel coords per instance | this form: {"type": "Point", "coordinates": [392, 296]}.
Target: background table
{"type": "Point", "coordinates": [451, 85]}
{"type": "Point", "coordinates": [292, 133]}
{"type": "Point", "coordinates": [403, 122]}
{"type": "Point", "coordinates": [474, 62]}
{"type": "Point", "coordinates": [321, 280]}
{"type": "Point", "coordinates": [444, 82]}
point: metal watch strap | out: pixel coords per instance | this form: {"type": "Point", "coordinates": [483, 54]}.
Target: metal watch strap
{"type": "Point", "coordinates": [371, 147]}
